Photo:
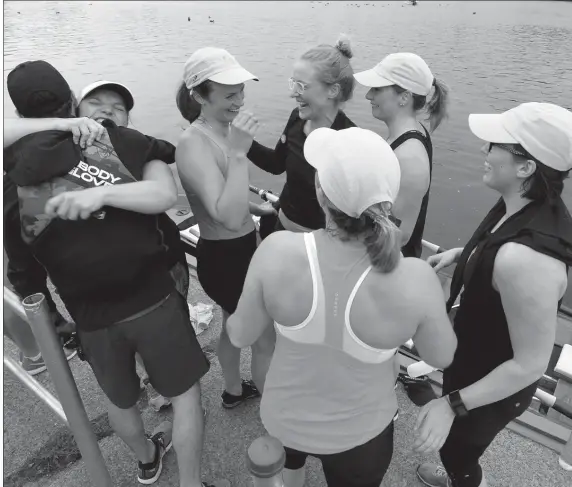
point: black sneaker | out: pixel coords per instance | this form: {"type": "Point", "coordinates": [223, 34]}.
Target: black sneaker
{"type": "Point", "coordinates": [162, 438]}
{"type": "Point", "coordinates": [249, 391]}
{"type": "Point", "coordinates": [418, 389]}
{"type": "Point", "coordinates": [218, 483]}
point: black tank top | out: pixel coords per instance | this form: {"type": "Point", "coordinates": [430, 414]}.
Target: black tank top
{"type": "Point", "coordinates": [413, 247]}
{"type": "Point", "coordinates": [480, 322]}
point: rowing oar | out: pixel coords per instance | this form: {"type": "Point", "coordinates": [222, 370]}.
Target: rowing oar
{"type": "Point", "coordinates": [265, 194]}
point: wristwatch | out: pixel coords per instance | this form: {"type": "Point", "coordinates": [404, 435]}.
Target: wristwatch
{"type": "Point", "coordinates": [457, 404]}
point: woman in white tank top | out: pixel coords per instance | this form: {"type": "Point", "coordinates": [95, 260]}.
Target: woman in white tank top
{"type": "Point", "coordinates": [342, 300]}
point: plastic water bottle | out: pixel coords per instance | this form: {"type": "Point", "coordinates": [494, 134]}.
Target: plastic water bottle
{"type": "Point", "coordinates": [265, 461]}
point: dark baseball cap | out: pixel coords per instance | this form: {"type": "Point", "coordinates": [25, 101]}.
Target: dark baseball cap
{"type": "Point", "coordinates": [37, 89]}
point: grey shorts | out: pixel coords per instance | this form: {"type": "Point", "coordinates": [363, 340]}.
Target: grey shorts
{"type": "Point", "coordinates": [167, 343]}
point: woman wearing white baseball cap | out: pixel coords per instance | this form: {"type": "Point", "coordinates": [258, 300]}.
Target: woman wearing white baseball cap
{"type": "Point", "coordinates": [514, 274]}
{"type": "Point", "coordinates": [212, 165]}
{"type": "Point", "coordinates": [399, 88]}
{"type": "Point", "coordinates": [325, 296]}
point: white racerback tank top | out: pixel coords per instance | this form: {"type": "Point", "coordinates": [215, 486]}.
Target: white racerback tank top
{"type": "Point", "coordinates": [326, 390]}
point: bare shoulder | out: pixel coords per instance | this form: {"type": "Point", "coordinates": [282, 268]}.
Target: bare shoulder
{"type": "Point", "coordinates": [417, 268]}
{"type": "Point", "coordinates": [280, 247]}
{"type": "Point", "coordinates": [413, 279]}
{"type": "Point", "coordinates": [523, 266]}
{"type": "Point", "coordinates": [190, 143]}
{"type": "Point", "coordinates": [413, 157]}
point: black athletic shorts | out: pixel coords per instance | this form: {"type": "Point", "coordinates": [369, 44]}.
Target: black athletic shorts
{"type": "Point", "coordinates": [166, 341]}
{"type": "Point", "coordinates": [222, 266]}
{"type": "Point", "coordinates": [362, 466]}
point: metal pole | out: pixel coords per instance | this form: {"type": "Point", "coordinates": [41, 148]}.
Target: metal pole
{"type": "Point", "coordinates": [38, 315]}
{"type": "Point", "coordinates": [38, 389]}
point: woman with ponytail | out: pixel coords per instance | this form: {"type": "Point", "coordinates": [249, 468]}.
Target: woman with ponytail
{"type": "Point", "coordinates": [399, 89]}
{"type": "Point", "coordinates": [212, 165]}
{"type": "Point", "coordinates": [321, 82]}
{"type": "Point", "coordinates": [342, 300]}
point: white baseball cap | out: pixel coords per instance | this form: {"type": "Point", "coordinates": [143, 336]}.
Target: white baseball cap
{"type": "Point", "coordinates": [216, 65]}
{"type": "Point", "coordinates": [122, 90]}
{"type": "Point", "coordinates": [403, 69]}
{"type": "Point", "coordinates": [543, 129]}
{"type": "Point", "coordinates": [356, 167]}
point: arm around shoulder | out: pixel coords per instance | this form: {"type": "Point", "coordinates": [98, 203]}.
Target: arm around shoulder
{"type": "Point", "coordinates": [155, 194]}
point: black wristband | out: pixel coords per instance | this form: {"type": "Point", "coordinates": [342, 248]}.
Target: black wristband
{"type": "Point", "coordinates": [457, 404]}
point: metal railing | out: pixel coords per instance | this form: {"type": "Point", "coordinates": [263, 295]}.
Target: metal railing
{"type": "Point", "coordinates": [34, 310]}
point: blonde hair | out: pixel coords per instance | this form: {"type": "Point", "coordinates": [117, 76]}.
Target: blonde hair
{"type": "Point", "coordinates": [375, 228]}
{"type": "Point", "coordinates": [333, 65]}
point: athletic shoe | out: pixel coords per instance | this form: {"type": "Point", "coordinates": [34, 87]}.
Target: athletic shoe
{"type": "Point", "coordinates": [418, 389]}
{"type": "Point", "coordinates": [433, 475]}
{"type": "Point", "coordinates": [218, 483]}
{"type": "Point", "coordinates": [249, 391]}
{"type": "Point", "coordinates": [156, 400]}
{"type": "Point", "coordinates": [396, 417]}
{"type": "Point", "coordinates": [162, 438]}
{"type": "Point", "coordinates": [35, 367]}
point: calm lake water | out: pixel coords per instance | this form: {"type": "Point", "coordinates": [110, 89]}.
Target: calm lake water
{"type": "Point", "coordinates": [493, 55]}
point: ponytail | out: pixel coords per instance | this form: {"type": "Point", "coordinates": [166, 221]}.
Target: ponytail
{"type": "Point", "coordinates": [437, 106]}
{"type": "Point", "coordinates": [188, 106]}
{"type": "Point", "coordinates": [383, 243]}
{"type": "Point", "coordinates": [375, 229]}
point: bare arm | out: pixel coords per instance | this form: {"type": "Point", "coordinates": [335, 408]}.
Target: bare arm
{"type": "Point", "coordinates": [251, 318]}
{"type": "Point", "coordinates": [156, 193]}
{"type": "Point", "coordinates": [224, 200]}
{"type": "Point", "coordinates": [530, 285]}
{"type": "Point", "coordinates": [414, 164]}
{"type": "Point", "coordinates": [83, 129]}
{"type": "Point", "coordinates": [434, 339]}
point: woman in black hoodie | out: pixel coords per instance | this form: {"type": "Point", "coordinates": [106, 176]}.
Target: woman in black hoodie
{"type": "Point", "coordinates": [514, 275]}
{"type": "Point", "coordinates": [321, 81]}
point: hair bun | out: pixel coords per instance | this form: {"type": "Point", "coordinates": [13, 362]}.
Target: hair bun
{"type": "Point", "coordinates": [343, 45]}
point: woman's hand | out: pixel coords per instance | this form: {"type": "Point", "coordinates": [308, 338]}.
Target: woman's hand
{"type": "Point", "coordinates": [85, 130]}
{"type": "Point", "coordinates": [433, 426]}
{"type": "Point", "coordinates": [242, 132]}
{"type": "Point", "coordinates": [444, 259]}
{"type": "Point", "coordinates": [263, 209]}
{"type": "Point", "coordinates": [72, 205]}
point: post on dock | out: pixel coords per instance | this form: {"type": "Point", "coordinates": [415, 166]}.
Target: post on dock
{"type": "Point", "coordinates": [34, 309]}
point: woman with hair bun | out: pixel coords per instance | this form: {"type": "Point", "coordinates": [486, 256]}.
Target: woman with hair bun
{"type": "Point", "coordinates": [399, 89]}
{"type": "Point", "coordinates": [321, 82]}
{"type": "Point", "coordinates": [342, 300]}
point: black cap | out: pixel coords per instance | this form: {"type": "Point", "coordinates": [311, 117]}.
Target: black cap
{"type": "Point", "coordinates": [37, 89]}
